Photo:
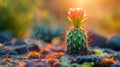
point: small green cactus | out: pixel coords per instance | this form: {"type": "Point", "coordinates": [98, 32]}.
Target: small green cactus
{"type": "Point", "coordinates": [76, 37]}
{"type": "Point", "coordinates": [76, 41]}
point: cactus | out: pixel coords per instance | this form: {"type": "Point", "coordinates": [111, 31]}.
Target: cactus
{"type": "Point", "coordinates": [76, 37]}
{"type": "Point", "coordinates": [7, 59]}
{"type": "Point", "coordinates": [33, 55]}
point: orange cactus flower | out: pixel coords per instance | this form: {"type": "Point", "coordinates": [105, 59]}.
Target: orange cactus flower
{"type": "Point", "coordinates": [33, 54]}
{"type": "Point", "coordinates": [76, 13]}
{"type": "Point", "coordinates": [110, 60]}
{"type": "Point", "coordinates": [76, 16]}
{"type": "Point", "coordinates": [59, 54]}
{"type": "Point", "coordinates": [7, 59]}
{"type": "Point", "coordinates": [51, 58]}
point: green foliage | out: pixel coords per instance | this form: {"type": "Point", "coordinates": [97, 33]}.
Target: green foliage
{"type": "Point", "coordinates": [65, 61]}
{"type": "Point", "coordinates": [99, 52]}
{"type": "Point", "coordinates": [76, 41]}
{"type": "Point", "coordinates": [86, 64]}
{"type": "Point", "coordinates": [16, 15]}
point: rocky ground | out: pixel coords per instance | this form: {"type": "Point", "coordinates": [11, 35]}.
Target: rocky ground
{"type": "Point", "coordinates": [101, 53]}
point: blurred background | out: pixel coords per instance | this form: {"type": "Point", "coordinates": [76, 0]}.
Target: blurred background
{"type": "Point", "coordinates": [46, 19]}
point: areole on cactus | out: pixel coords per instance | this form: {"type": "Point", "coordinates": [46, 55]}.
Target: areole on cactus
{"type": "Point", "coordinates": [76, 37]}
